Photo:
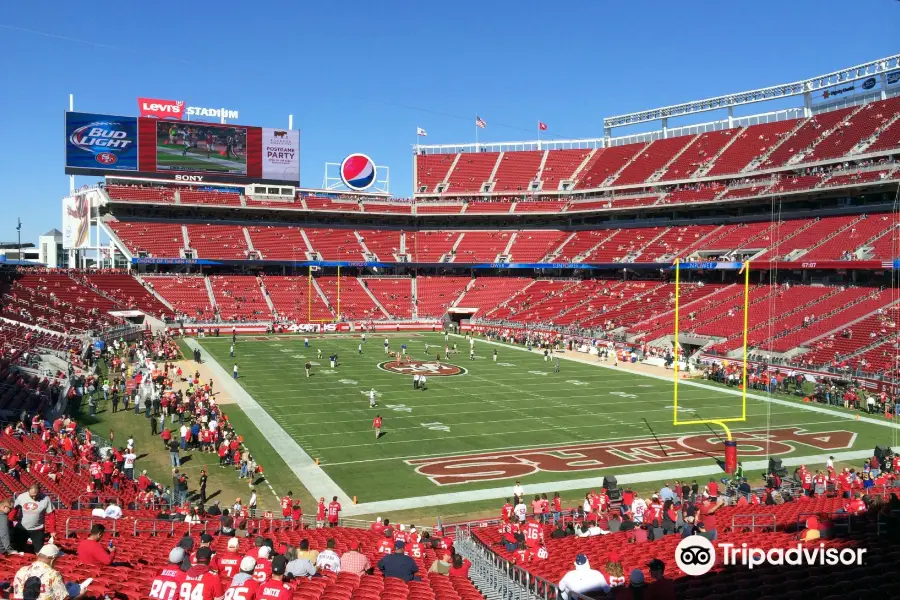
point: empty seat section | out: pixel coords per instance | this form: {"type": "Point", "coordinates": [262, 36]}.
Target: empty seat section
{"type": "Point", "coordinates": [546, 303]}
{"type": "Point", "coordinates": [215, 198]}
{"type": "Point", "coordinates": [605, 163]}
{"type": "Point", "coordinates": [625, 245]}
{"type": "Point", "coordinates": [481, 246]}
{"type": "Point", "coordinates": [488, 207]}
{"type": "Point", "coordinates": [856, 178]}
{"type": "Point", "coordinates": [859, 234]}
{"type": "Point", "coordinates": [393, 293]}
{"type": "Point", "coordinates": [429, 208]}
{"type": "Point", "coordinates": [385, 244]}
{"type": "Point", "coordinates": [430, 246]}
{"type": "Point", "coordinates": [560, 165]}
{"type": "Point", "coordinates": [239, 298]}
{"type": "Point", "coordinates": [657, 154]}
{"type": "Point", "coordinates": [435, 294]}
{"type": "Point", "coordinates": [888, 139]}
{"type": "Point", "coordinates": [158, 240]}
{"type": "Point", "coordinates": [673, 242]}
{"type": "Point", "coordinates": [141, 194]}
{"type": "Point", "coordinates": [801, 234]}
{"type": "Point", "coordinates": [804, 137]}
{"type": "Point", "coordinates": [698, 154]}
{"type": "Point", "coordinates": [187, 294]}
{"type": "Point", "coordinates": [855, 128]}
{"type": "Point", "coordinates": [752, 143]}
{"type": "Point", "coordinates": [394, 208]}
{"type": "Point", "coordinates": [296, 298]}
{"type": "Point", "coordinates": [488, 292]}
{"type": "Point", "coordinates": [218, 241]}
{"type": "Point", "coordinates": [517, 170]}
{"type": "Point", "coordinates": [744, 192]}
{"type": "Point", "coordinates": [707, 193]}
{"type": "Point", "coordinates": [532, 246]}
{"type": "Point", "coordinates": [335, 244]}
{"type": "Point", "coordinates": [431, 169]}
{"type": "Point", "coordinates": [352, 299]}
{"type": "Point", "coordinates": [471, 171]}
{"type": "Point", "coordinates": [278, 243]}
{"type": "Point", "coordinates": [128, 291]}
{"type": "Point", "coordinates": [549, 206]}
{"type": "Point", "coordinates": [583, 241]}
{"type": "Point", "coordinates": [541, 291]}
{"type": "Point", "coordinates": [795, 183]}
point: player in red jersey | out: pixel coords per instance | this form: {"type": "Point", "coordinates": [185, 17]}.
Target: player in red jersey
{"type": "Point", "coordinates": [230, 560]}
{"type": "Point", "coordinates": [200, 583]}
{"type": "Point", "coordinates": [275, 588]}
{"type": "Point", "coordinates": [386, 545]}
{"type": "Point", "coordinates": [534, 533]}
{"type": "Point", "coordinates": [167, 585]}
{"type": "Point", "coordinates": [506, 511]}
{"type": "Point", "coordinates": [334, 510]}
{"type": "Point", "coordinates": [376, 425]}
{"type": "Point", "coordinates": [415, 549]}
{"type": "Point", "coordinates": [320, 513]}
{"type": "Point", "coordinates": [286, 503]}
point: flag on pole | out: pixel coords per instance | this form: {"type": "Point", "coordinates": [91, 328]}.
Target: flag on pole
{"type": "Point", "coordinates": [479, 122]}
{"type": "Point", "coordinates": [421, 132]}
{"type": "Point", "coordinates": [542, 126]}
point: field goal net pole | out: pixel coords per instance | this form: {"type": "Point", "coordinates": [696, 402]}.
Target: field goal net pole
{"type": "Point", "coordinates": [730, 444]}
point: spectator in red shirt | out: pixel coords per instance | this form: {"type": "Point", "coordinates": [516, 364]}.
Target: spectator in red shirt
{"type": "Point", "coordinates": [712, 489]}
{"type": "Point", "coordinates": [708, 517]}
{"type": "Point", "coordinates": [275, 588]}
{"type": "Point", "coordinates": [167, 584]}
{"type": "Point", "coordinates": [200, 583]}
{"type": "Point", "coordinates": [377, 527]}
{"type": "Point", "coordinates": [92, 552]}
{"type": "Point", "coordinates": [334, 510]}
{"type": "Point", "coordinates": [460, 566]}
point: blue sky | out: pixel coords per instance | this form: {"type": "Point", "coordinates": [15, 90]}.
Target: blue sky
{"type": "Point", "coordinates": [361, 76]}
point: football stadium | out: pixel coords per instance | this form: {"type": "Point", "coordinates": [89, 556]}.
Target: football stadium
{"type": "Point", "coordinates": [568, 367]}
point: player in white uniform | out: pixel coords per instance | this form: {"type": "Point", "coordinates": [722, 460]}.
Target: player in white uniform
{"type": "Point", "coordinates": [372, 398]}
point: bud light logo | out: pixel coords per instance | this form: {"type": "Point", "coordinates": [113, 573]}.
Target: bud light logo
{"type": "Point", "coordinates": [358, 172]}
{"type": "Point", "coordinates": [101, 142]}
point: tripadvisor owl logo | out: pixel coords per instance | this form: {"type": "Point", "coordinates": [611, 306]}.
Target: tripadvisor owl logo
{"type": "Point", "coordinates": [426, 368]}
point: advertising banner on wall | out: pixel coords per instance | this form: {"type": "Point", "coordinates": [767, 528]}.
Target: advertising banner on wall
{"type": "Point", "coordinates": [76, 222]}
{"type": "Point", "coordinates": [101, 142]}
{"type": "Point", "coordinates": [281, 154]}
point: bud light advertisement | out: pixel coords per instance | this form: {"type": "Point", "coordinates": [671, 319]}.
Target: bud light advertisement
{"type": "Point", "coordinates": [101, 142]}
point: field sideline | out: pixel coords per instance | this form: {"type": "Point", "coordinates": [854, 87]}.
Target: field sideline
{"type": "Point", "coordinates": [469, 436]}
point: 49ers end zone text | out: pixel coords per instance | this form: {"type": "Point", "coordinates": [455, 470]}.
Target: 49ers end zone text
{"type": "Point", "coordinates": [506, 464]}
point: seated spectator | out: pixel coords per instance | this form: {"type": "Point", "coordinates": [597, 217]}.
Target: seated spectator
{"type": "Point", "coordinates": [582, 579]}
{"type": "Point", "coordinates": [113, 511]}
{"type": "Point", "coordinates": [398, 564]}
{"type": "Point", "coordinates": [328, 559]}
{"type": "Point", "coordinates": [92, 552]}
{"type": "Point", "coordinates": [660, 588]}
{"type": "Point", "coordinates": [812, 530]}
{"type": "Point", "coordinates": [442, 565]}
{"type": "Point", "coordinates": [354, 561]}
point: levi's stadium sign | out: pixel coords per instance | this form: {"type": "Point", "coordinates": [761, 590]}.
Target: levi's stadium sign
{"type": "Point", "coordinates": [176, 109]}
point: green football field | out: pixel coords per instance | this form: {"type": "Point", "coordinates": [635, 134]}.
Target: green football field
{"type": "Point", "coordinates": [169, 157]}
{"type": "Point", "coordinates": [493, 423]}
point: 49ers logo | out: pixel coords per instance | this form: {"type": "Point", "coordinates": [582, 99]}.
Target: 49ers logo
{"type": "Point", "coordinates": [415, 367]}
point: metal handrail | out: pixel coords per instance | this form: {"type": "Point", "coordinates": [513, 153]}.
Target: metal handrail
{"type": "Point", "coordinates": [154, 530]}
{"type": "Point", "coordinates": [97, 499]}
{"type": "Point", "coordinates": [753, 524]}
{"type": "Point", "coordinates": [72, 529]}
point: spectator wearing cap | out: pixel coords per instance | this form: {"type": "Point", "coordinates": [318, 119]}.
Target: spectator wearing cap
{"type": "Point", "coordinates": [263, 564]}
{"type": "Point", "coordinates": [398, 564]}
{"type": "Point", "coordinates": [354, 561]}
{"type": "Point", "coordinates": [637, 588]}
{"type": "Point", "coordinates": [171, 576]}
{"type": "Point", "coordinates": [582, 579]}
{"type": "Point", "coordinates": [275, 588]}
{"type": "Point", "coordinates": [298, 567]}
{"type": "Point", "coordinates": [92, 552]}
{"type": "Point", "coordinates": [230, 560]}
{"type": "Point", "coordinates": [660, 587]}
{"type": "Point", "coordinates": [206, 541]}
{"type": "Point", "coordinates": [51, 580]}
{"type": "Point", "coordinates": [201, 574]}
{"type": "Point", "coordinates": [32, 589]}
{"type": "Point", "coordinates": [614, 571]}
{"type": "Point", "coordinates": [812, 530]}
{"type": "Point", "coordinates": [186, 543]}
{"type": "Point", "coordinates": [248, 565]}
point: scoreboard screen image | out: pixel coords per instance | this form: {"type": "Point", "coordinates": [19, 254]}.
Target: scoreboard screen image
{"type": "Point", "coordinates": [201, 147]}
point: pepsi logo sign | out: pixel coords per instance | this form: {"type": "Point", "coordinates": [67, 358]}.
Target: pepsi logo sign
{"type": "Point", "coordinates": [358, 172]}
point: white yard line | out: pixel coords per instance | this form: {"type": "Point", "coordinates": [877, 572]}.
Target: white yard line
{"type": "Point", "coordinates": [304, 467]}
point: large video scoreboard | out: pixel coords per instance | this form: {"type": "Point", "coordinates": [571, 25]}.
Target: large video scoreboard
{"type": "Point", "coordinates": [180, 150]}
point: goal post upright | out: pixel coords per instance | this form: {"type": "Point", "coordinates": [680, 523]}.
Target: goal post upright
{"type": "Point", "coordinates": [723, 422]}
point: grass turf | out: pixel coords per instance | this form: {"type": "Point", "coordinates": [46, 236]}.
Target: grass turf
{"type": "Point", "coordinates": [518, 402]}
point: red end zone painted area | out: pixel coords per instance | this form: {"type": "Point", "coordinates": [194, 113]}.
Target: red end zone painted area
{"type": "Point", "coordinates": [504, 464]}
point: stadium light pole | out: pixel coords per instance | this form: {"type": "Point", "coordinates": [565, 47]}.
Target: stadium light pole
{"type": "Point", "coordinates": [19, 231]}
